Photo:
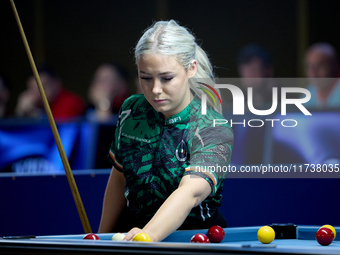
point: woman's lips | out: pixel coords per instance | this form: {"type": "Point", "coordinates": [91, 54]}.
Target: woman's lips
{"type": "Point", "coordinates": [159, 101]}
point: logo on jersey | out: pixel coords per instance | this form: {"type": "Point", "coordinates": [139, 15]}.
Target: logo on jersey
{"type": "Point", "coordinates": [182, 151]}
{"type": "Point", "coordinates": [222, 148]}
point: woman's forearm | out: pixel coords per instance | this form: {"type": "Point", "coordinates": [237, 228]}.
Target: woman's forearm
{"type": "Point", "coordinates": [177, 207]}
{"type": "Point", "coordinates": [114, 201]}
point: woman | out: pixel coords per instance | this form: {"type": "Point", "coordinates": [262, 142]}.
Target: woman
{"type": "Point", "coordinates": [162, 141]}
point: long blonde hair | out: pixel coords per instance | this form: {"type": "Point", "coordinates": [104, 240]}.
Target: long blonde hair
{"type": "Point", "coordinates": [170, 39]}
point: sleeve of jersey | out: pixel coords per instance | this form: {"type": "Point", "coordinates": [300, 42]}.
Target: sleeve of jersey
{"type": "Point", "coordinates": [210, 154]}
{"type": "Point", "coordinates": [114, 155]}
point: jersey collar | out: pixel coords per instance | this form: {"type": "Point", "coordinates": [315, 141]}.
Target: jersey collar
{"type": "Point", "coordinates": [184, 115]}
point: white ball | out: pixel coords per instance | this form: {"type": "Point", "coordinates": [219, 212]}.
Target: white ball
{"type": "Point", "coordinates": [118, 237]}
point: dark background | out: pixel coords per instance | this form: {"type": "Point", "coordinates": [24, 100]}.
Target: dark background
{"type": "Point", "coordinates": [75, 36]}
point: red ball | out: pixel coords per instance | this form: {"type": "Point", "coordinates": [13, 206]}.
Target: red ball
{"type": "Point", "coordinates": [91, 237]}
{"type": "Point", "coordinates": [199, 238]}
{"type": "Point", "coordinates": [324, 236]}
{"type": "Point", "coordinates": [216, 234]}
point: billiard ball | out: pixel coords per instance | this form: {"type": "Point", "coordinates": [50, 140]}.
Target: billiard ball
{"type": "Point", "coordinates": [118, 237]}
{"type": "Point", "coordinates": [266, 234]}
{"type": "Point", "coordinates": [200, 238]}
{"type": "Point", "coordinates": [324, 236]}
{"type": "Point", "coordinates": [141, 237]}
{"type": "Point", "coordinates": [216, 234]}
{"type": "Point", "coordinates": [91, 237]}
{"type": "Point", "coordinates": [330, 227]}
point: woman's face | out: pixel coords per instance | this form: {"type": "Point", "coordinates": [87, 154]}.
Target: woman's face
{"type": "Point", "coordinates": [165, 83]}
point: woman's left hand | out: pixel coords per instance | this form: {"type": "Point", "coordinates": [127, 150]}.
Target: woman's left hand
{"type": "Point", "coordinates": [132, 233]}
{"type": "Point", "coordinates": [129, 236]}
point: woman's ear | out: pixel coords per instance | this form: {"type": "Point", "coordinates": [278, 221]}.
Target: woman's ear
{"type": "Point", "coordinates": [192, 69]}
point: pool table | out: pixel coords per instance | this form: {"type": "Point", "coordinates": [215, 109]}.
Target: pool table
{"type": "Point", "coordinates": [238, 240]}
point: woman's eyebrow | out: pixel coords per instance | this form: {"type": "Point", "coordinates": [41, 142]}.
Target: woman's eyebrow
{"type": "Point", "coordinates": [168, 72]}
{"type": "Point", "coordinates": [165, 73]}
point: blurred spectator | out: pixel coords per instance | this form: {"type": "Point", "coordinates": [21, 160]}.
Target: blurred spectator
{"type": "Point", "coordinates": [63, 103]}
{"type": "Point", "coordinates": [322, 71]}
{"type": "Point", "coordinates": [107, 92]}
{"type": "Point", "coordinates": [256, 71]}
{"type": "Point", "coordinates": [4, 97]}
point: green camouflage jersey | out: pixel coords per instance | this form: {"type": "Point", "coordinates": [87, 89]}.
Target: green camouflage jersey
{"type": "Point", "coordinates": [154, 154]}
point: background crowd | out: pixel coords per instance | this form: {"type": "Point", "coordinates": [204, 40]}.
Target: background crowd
{"type": "Point", "coordinates": [257, 41]}
{"type": "Point", "coordinates": [109, 86]}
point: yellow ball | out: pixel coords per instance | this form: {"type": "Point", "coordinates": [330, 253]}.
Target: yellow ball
{"type": "Point", "coordinates": [331, 228]}
{"type": "Point", "coordinates": [266, 234]}
{"type": "Point", "coordinates": [141, 237]}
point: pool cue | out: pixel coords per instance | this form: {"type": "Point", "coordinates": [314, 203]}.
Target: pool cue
{"type": "Point", "coordinates": [69, 175]}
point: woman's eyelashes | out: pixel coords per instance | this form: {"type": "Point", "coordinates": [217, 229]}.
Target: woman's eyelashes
{"type": "Point", "coordinates": [145, 78]}
{"type": "Point", "coordinates": [164, 79]}
{"type": "Point", "coordinates": [167, 79]}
